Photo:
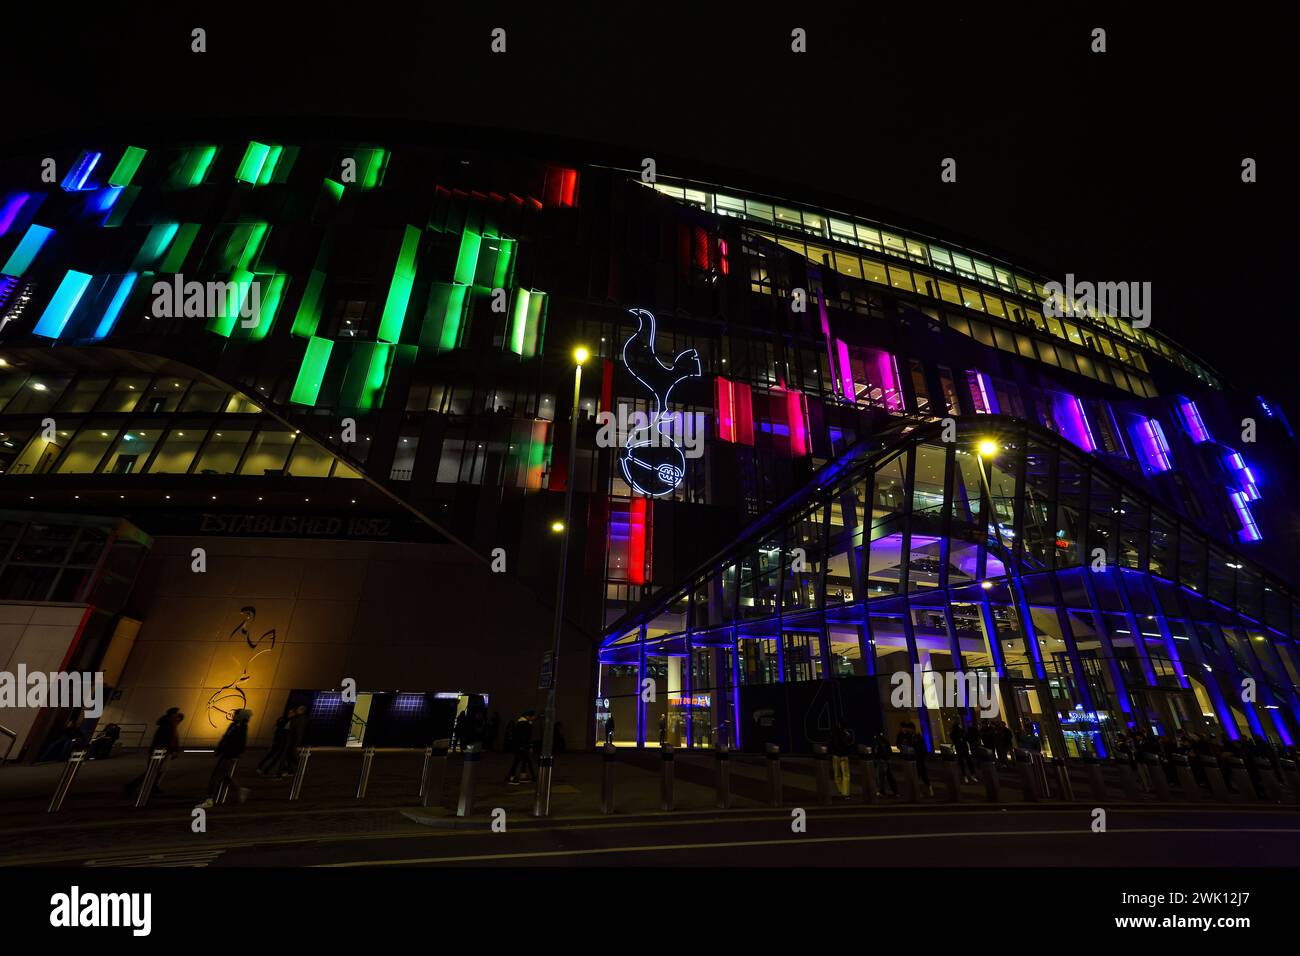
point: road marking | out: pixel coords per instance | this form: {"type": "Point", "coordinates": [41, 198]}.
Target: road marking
{"type": "Point", "coordinates": [190, 858]}
{"type": "Point", "coordinates": [653, 820]}
{"type": "Point", "coordinates": [803, 841]}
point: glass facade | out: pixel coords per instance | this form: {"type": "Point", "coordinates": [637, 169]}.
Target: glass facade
{"type": "Point", "coordinates": [1005, 552]}
{"type": "Point", "coordinates": [415, 334]}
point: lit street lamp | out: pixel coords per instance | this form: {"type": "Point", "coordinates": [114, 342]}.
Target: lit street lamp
{"type": "Point", "coordinates": [542, 803]}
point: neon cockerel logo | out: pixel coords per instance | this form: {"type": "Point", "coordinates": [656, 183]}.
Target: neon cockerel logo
{"type": "Point", "coordinates": [653, 463]}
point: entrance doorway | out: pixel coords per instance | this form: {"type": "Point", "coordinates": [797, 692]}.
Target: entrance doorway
{"type": "Point", "coordinates": [1030, 710]}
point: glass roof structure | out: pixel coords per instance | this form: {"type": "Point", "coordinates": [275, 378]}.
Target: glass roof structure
{"type": "Point", "coordinates": [987, 544]}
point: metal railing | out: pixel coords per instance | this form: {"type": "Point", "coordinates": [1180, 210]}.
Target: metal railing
{"type": "Point", "coordinates": [13, 739]}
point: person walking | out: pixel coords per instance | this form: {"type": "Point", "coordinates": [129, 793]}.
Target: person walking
{"type": "Point", "coordinates": [961, 743]}
{"type": "Point", "coordinates": [880, 754]}
{"type": "Point", "coordinates": [230, 748]}
{"type": "Point", "coordinates": [101, 748]}
{"type": "Point", "coordinates": [275, 755]}
{"type": "Point", "coordinates": [1006, 741]}
{"type": "Point", "coordinates": [521, 741]}
{"type": "Point", "coordinates": [295, 732]}
{"type": "Point", "coordinates": [910, 739]}
{"type": "Point", "coordinates": [609, 727]}
{"type": "Point", "coordinates": [841, 749]}
{"type": "Point", "coordinates": [166, 736]}
{"type": "Point", "coordinates": [460, 731]}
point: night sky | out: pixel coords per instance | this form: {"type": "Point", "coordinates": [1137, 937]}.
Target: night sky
{"type": "Point", "coordinates": [1119, 166]}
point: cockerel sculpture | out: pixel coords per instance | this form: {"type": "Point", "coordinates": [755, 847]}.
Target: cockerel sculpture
{"type": "Point", "coordinates": [653, 463]}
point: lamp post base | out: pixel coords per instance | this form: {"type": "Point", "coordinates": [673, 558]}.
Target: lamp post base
{"type": "Point", "coordinates": [542, 803]}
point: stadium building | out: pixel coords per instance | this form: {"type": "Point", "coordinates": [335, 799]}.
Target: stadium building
{"type": "Point", "coordinates": [279, 412]}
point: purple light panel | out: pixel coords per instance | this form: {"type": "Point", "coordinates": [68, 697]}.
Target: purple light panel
{"type": "Point", "coordinates": [1151, 442]}
{"type": "Point", "coordinates": [1191, 416]}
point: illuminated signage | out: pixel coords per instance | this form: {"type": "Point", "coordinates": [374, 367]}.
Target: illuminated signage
{"type": "Point", "coordinates": [698, 701]}
{"type": "Point", "coordinates": [653, 463]}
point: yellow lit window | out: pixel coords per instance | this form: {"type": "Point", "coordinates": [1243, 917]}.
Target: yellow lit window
{"type": "Point", "coordinates": [900, 278]}
{"type": "Point", "coordinates": [874, 271]}
{"type": "Point", "coordinates": [971, 298]}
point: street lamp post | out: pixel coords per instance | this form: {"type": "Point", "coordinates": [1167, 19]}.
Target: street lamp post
{"type": "Point", "coordinates": [542, 803]}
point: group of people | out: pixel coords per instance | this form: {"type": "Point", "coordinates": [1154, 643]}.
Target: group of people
{"type": "Point", "coordinates": [290, 732]}
{"type": "Point", "coordinates": [1255, 753]}
{"type": "Point", "coordinates": [992, 735]}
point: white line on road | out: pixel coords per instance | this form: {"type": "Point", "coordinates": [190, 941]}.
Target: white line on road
{"type": "Point", "coordinates": [801, 841]}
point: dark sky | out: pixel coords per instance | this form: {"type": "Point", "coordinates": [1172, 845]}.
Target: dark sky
{"type": "Point", "coordinates": [1117, 166]}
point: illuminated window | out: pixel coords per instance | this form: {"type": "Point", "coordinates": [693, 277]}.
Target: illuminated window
{"type": "Point", "coordinates": [1152, 445]}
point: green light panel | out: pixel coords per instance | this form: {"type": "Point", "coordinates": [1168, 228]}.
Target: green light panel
{"type": "Point", "coordinates": [467, 258]}
{"type": "Point", "coordinates": [250, 167]}
{"type": "Point", "coordinates": [243, 246]}
{"type": "Point", "coordinates": [126, 166]}
{"type": "Point", "coordinates": [399, 291]}
{"type": "Point", "coordinates": [334, 189]}
{"type": "Point", "coordinates": [371, 167]}
{"type": "Point", "coordinates": [155, 246]}
{"type": "Point", "coordinates": [307, 319]}
{"type": "Point", "coordinates": [223, 322]}
{"type": "Point", "coordinates": [193, 166]}
{"type": "Point", "coordinates": [117, 215]}
{"type": "Point", "coordinates": [536, 324]}
{"type": "Point", "coordinates": [366, 375]}
{"type": "Point", "coordinates": [526, 323]}
{"type": "Point", "coordinates": [180, 248]}
{"type": "Point", "coordinates": [270, 289]}
{"type": "Point", "coordinates": [55, 317]}
{"type": "Point", "coordinates": [269, 167]}
{"type": "Point", "coordinates": [21, 258]}
{"type": "Point", "coordinates": [311, 373]}
{"type": "Point", "coordinates": [505, 264]}
{"type": "Point", "coordinates": [518, 323]}
{"type": "Point", "coordinates": [444, 319]}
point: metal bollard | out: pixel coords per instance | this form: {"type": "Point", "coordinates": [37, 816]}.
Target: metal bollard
{"type": "Point", "coordinates": [822, 768]}
{"type": "Point", "coordinates": [1039, 765]}
{"type": "Point", "coordinates": [1214, 778]}
{"type": "Point", "coordinates": [156, 757]}
{"type": "Point", "coordinates": [774, 774]}
{"type": "Point", "coordinates": [905, 769]}
{"type": "Point", "coordinates": [1025, 766]}
{"type": "Point", "coordinates": [950, 775]}
{"type": "Point", "coordinates": [723, 756]}
{"type": "Point", "coordinates": [299, 773]}
{"type": "Point", "coordinates": [75, 760]}
{"type": "Point", "coordinates": [868, 765]}
{"type": "Point", "coordinates": [1186, 779]}
{"type": "Point", "coordinates": [607, 778]}
{"type": "Point", "coordinates": [1268, 780]}
{"type": "Point", "coordinates": [1240, 788]}
{"type": "Point", "coordinates": [468, 777]}
{"type": "Point", "coordinates": [1096, 782]}
{"type": "Point", "coordinates": [666, 778]}
{"type": "Point", "coordinates": [1064, 786]}
{"type": "Point", "coordinates": [223, 788]}
{"type": "Point", "coordinates": [1128, 779]}
{"type": "Point", "coordinates": [1156, 771]}
{"type": "Point", "coordinates": [367, 759]}
{"type": "Point", "coordinates": [989, 774]}
{"type": "Point", "coordinates": [434, 772]}
{"type": "Point", "coordinates": [1292, 778]}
